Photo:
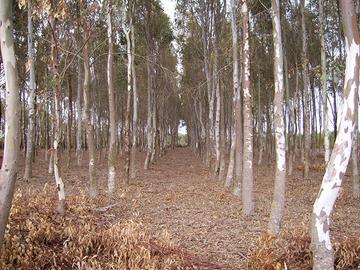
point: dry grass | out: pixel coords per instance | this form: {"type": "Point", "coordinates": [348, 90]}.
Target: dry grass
{"type": "Point", "coordinates": [39, 238]}
{"type": "Point", "coordinates": [292, 251]}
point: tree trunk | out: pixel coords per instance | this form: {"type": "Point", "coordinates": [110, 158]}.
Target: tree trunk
{"type": "Point", "coordinates": [87, 118]}
{"type": "Point", "coordinates": [236, 89]}
{"type": "Point", "coordinates": [277, 207]}
{"type": "Point", "coordinates": [112, 121]}
{"type": "Point", "coordinates": [127, 28]}
{"type": "Point", "coordinates": [247, 188]}
{"type": "Point", "coordinates": [79, 113]}
{"type": "Point", "coordinates": [69, 121]}
{"type": "Point", "coordinates": [320, 235]}
{"type": "Point", "coordinates": [56, 120]}
{"type": "Point", "coordinates": [324, 82]}
{"type": "Point", "coordinates": [305, 92]}
{"type": "Point", "coordinates": [32, 88]}
{"type": "Point", "coordinates": [135, 105]}
{"type": "Point", "coordinates": [149, 86]}
{"type": "Point", "coordinates": [12, 129]}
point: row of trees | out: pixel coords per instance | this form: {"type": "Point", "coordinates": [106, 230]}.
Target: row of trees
{"type": "Point", "coordinates": [83, 73]}
{"type": "Point", "coordinates": [126, 97]}
{"type": "Point", "coordinates": [307, 75]}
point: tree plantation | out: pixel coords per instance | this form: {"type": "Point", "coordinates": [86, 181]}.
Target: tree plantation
{"type": "Point", "coordinates": [179, 134]}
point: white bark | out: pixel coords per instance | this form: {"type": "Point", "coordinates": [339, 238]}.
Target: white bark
{"type": "Point", "coordinates": [340, 156]}
{"type": "Point", "coordinates": [277, 207]}
{"type": "Point", "coordinates": [12, 130]}
{"type": "Point", "coordinates": [247, 187]}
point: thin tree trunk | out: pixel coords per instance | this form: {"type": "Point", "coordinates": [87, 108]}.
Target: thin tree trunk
{"type": "Point", "coordinates": [56, 120]}
{"type": "Point", "coordinates": [87, 119]}
{"type": "Point", "coordinates": [236, 89]}
{"type": "Point", "coordinates": [322, 249]}
{"type": "Point", "coordinates": [69, 121]}
{"type": "Point", "coordinates": [305, 92]}
{"type": "Point", "coordinates": [247, 188]}
{"type": "Point", "coordinates": [277, 207]}
{"type": "Point", "coordinates": [149, 87]}
{"type": "Point", "coordinates": [12, 129]}
{"type": "Point", "coordinates": [32, 87]}
{"type": "Point", "coordinates": [79, 113]}
{"type": "Point", "coordinates": [112, 121]}
{"type": "Point", "coordinates": [135, 105]}
{"type": "Point", "coordinates": [127, 28]}
{"type": "Point", "coordinates": [324, 82]}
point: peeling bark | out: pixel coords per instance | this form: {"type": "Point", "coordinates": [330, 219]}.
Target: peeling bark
{"type": "Point", "coordinates": [12, 127]}
{"type": "Point", "coordinates": [323, 257]}
{"type": "Point", "coordinates": [247, 180]}
{"type": "Point", "coordinates": [277, 207]}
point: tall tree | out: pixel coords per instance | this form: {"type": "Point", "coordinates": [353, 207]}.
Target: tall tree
{"type": "Point", "coordinates": [87, 112]}
{"type": "Point", "coordinates": [57, 104]}
{"type": "Point", "coordinates": [306, 93]}
{"type": "Point", "coordinates": [277, 207]}
{"type": "Point", "coordinates": [112, 122]}
{"type": "Point", "coordinates": [127, 26]}
{"type": "Point", "coordinates": [32, 88]}
{"type": "Point", "coordinates": [340, 156]}
{"type": "Point", "coordinates": [12, 130]}
{"type": "Point", "coordinates": [324, 81]}
{"type": "Point", "coordinates": [236, 89]}
{"type": "Point", "coordinates": [247, 188]}
{"type": "Point", "coordinates": [135, 100]}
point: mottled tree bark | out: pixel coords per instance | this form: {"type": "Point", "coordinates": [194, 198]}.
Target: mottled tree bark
{"type": "Point", "coordinates": [57, 116]}
{"type": "Point", "coordinates": [247, 180]}
{"type": "Point", "coordinates": [12, 128]}
{"type": "Point", "coordinates": [277, 207]}
{"type": "Point", "coordinates": [320, 234]}
{"type": "Point", "coordinates": [87, 117]}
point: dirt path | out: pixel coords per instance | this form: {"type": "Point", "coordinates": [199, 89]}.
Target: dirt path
{"type": "Point", "coordinates": [180, 198]}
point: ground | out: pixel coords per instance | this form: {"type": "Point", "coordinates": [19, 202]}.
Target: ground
{"type": "Point", "coordinates": [179, 197]}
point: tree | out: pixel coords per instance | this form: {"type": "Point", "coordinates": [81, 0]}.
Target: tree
{"type": "Point", "coordinates": [306, 104]}
{"type": "Point", "coordinates": [324, 81]}
{"type": "Point", "coordinates": [32, 87]}
{"type": "Point", "coordinates": [236, 89]}
{"type": "Point", "coordinates": [87, 111]}
{"type": "Point", "coordinates": [11, 148]}
{"type": "Point", "coordinates": [57, 118]}
{"type": "Point", "coordinates": [135, 101]}
{"type": "Point", "coordinates": [277, 207]}
{"type": "Point", "coordinates": [247, 188]}
{"type": "Point", "coordinates": [127, 26]}
{"type": "Point", "coordinates": [340, 156]}
{"type": "Point", "coordinates": [112, 121]}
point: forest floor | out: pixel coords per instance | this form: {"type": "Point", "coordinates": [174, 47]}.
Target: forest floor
{"type": "Point", "coordinates": [179, 197]}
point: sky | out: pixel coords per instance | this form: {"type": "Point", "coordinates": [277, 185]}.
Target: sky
{"type": "Point", "coordinates": [169, 8]}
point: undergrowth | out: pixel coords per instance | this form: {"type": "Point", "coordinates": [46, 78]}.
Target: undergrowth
{"type": "Point", "coordinates": [292, 251]}
{"type": "Point", "coordinates": [38, 238]}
